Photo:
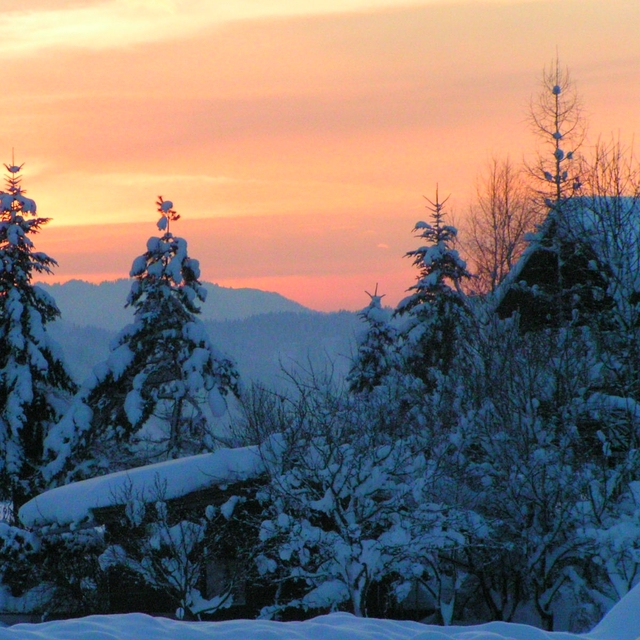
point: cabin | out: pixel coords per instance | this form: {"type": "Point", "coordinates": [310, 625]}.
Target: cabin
{"type": "Point", "coordinates": [583, 268]}
{"type": "Point", "coordinates": [581, 265]}
{"type": "Point", "coordinates": [183, 530]}
{"type": "Point", "coordinates": [170, 532]}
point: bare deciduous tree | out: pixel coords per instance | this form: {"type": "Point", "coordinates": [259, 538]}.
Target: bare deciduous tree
{"type": "Point", "coordinates": [557, 118]}
{"type": "Point", "coordinates": [613, 171]}
{"type": "Point", "coordinates": [499, 219]}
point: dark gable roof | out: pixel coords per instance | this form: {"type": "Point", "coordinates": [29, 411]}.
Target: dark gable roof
{"type": "Point", "coordinates": [598, 242]}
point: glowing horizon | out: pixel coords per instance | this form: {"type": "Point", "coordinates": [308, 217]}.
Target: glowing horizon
{"type": "Point", "coordinates": [296, 139]}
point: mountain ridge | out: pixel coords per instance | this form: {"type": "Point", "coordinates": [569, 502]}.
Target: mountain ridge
{"type": "Point", "coordinates": [103, 305]}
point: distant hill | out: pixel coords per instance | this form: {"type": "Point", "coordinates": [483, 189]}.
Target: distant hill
{"type": "Point", "coordinates": [264, 346]}
{"type": "Point", "coordinates": [264, 332]}
{"type": "Point", "coordinates": [102, 305]}
{"type": "Point", "coordinates": [268, 346]}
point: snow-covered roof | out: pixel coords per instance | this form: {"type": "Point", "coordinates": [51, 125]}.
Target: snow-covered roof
{"type": "Point", "coordinates": [73, 503]}
{"type": "Point", "coordinates": [610, 226]}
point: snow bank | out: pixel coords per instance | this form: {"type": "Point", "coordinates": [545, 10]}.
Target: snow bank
{"type": "Point", "coordinates": [337, 626]}
{"type": "Point", "coordinates": [622, 623]}
{"type": "Point", "coordinates": [74, 502]}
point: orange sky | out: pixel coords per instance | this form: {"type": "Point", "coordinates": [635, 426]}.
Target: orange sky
{"type": "Point", "coordinates": [295, 138]}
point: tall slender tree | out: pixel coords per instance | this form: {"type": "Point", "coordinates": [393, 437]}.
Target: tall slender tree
{"type": "Point", "coordinates": [557, 119]}
{"type": "Point", "coordinates": [435, 310]}
{"type": "Point", "coordinates": [155, 395]}
{"type": "Point", "coordinates": [34, 382]}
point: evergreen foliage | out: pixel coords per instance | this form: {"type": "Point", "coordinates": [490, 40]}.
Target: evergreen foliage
{"type": "Point", "coordinates": [34, 383]}
{"type": "Point", "coordinates": [436, 312]}
{"type": "Point", "coordinates": [163, 381]}
{"type": "Point", "coordinates": [473, 470]}
{"type": "Point", "coordinates": [377, 355]}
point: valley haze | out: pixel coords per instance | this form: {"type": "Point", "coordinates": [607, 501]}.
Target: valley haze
{"type": "Point", "coordinates": [264, 332]}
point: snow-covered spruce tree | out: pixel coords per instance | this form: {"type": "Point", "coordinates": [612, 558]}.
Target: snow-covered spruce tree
{"type": "Point", "coordinates": [436, 313]}
{"type": "Point", "coordinates": [34, 383]}
{"type": "Point", "coordinates": [377, 354]}
{"type": "Point", "coordinates": [155, 395]}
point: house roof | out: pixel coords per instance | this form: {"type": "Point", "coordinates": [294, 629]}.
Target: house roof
{"type": "Point", "coordinates": [75, 502]}
{"type": "Point", "coordinates": [608, 226]}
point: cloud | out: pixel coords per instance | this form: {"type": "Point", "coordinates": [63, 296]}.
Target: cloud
{"type": "Point", "coordinates": [29, 26]}
{"type": "Point", "coordinates": [23, 6]}
{"type": "Point", "coordinates": [157, 179]}
{"type": "Point", "coordinates": [95, 26]}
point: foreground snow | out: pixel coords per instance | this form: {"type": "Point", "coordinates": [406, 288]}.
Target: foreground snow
{"type": "Point", "coordinates": [337, 626]}
{"type": "Point", "coordinates": [622, 623]}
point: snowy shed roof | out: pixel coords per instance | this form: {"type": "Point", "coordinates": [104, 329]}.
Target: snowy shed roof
{"type": "Point", "coordinates": [608, 224]}
{"type": "Point", "coordinates": [599, 240]}
{"type": "Point", "coordinates": [75, 502]}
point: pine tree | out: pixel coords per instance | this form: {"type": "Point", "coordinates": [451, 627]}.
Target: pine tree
{"type": "Point", "coordinates": [377, 353]}
{"type": "Point", "coordinates": [163, 379]}
{"type": "Point", "coordinates": [34, 383]}
{"type": "Point", "coordinates": [436, 309]}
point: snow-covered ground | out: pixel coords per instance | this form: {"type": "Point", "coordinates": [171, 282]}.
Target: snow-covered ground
{"type": "Point", "coordinates": [621, 623]}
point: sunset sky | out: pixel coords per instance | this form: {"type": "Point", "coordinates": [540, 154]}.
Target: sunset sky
{"type": "Point", "coordinates": [296, 138]}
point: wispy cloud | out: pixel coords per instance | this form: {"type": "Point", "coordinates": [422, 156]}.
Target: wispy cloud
{"type": "Point", "coordinates": [29, 27]}
{"type": "Point", "coordinates": [98, 26]}
{"type": "Point", "coordinates": [158, 179]}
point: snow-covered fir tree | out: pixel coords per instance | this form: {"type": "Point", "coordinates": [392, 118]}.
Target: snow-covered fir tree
{"type": "Point", "coordinates": [164, 381]}
{"type": "Point", "coordinates": [436, 310]}
{"type": "Point", "coordinates": [34, 383]}
{"type": "Point", "coordinates": [377, 354]}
